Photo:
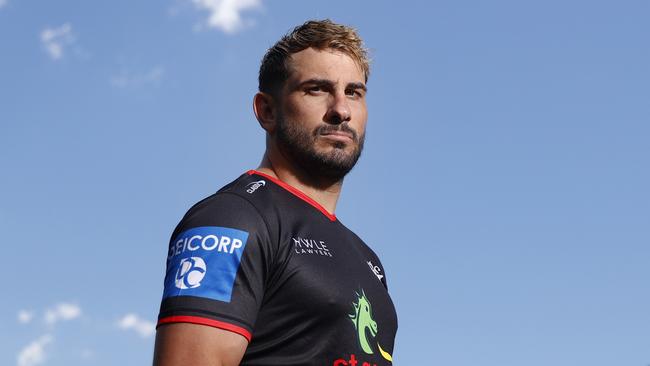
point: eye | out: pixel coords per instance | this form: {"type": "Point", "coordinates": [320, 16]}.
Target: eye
{"type": "Point", "coordinates": [356, 93]}
{"type": "Point", "coordinates": [315, 89]}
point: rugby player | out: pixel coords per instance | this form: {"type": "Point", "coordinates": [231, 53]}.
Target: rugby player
{"type": "Point", "coordinates": [262, 272]}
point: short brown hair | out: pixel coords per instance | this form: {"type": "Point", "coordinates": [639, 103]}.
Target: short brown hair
{"type": "Point", "coordinates": [319, 34]}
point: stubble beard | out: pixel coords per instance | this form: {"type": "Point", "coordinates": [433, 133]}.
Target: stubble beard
{"type": "Point", "coordinates": [299, 146]}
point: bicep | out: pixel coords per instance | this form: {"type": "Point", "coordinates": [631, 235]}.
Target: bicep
{"type": "Point", "coordinates": [194, 344]}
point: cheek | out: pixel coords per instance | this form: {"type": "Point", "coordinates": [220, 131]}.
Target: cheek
{"type": "Point", "coordinates": [305, 109]}
{"type": "Point", "coordinates": [359, 117]}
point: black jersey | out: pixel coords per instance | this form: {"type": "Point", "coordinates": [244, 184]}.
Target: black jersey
{"type": "Point", "coordinates": [261, 259]}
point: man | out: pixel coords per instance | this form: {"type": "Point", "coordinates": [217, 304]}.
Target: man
{"type": "Point", "coordinates": [262, 272]}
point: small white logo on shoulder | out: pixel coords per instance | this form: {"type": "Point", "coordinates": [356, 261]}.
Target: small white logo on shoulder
{"type": "Point", "coordinates": [253, 186]}
{"type": "Point", "coordinates": [376, 270]}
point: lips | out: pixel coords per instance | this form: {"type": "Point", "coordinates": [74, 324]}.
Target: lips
{"type": "Point", "coordinates": [342, 132]}
{"type": "Point", "coordinates": [338, 134]}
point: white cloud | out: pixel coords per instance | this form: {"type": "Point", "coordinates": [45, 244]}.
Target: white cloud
{"type": "Point", "coordinates": [226, 14]}
{"type": "Point", "coordinates": [3, 3]}
{"type": "Point", "coordinates": [126, 79]}
{"type": "Point", "coordinates": [34, 353]}
{"type": "Point", "coordinates": [25, 316]}
{"type": "Point", "coordinates": [62, 311]}
{"type": "Point", "coordinates": [143, 327]}
{"type": "Point", "coordinates": [55, 40]}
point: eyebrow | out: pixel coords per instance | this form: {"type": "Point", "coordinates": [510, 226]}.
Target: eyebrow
{"type": "Point", "coordinates": [330, 83]}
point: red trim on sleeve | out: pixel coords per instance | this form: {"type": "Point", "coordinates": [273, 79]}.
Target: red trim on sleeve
{"type": "Point", "coordinates": [205, 321]}
{"type": "Point", "coordinates": [295, 192]}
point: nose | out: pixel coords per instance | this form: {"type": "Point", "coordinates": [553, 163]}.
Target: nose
{"type": "Point", "coordinates": [338, 110]}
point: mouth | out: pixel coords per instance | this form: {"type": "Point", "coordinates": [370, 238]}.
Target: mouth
{"type": "Point", "coordinates": [373, 331]}
{"type": "Point", "coordinates": [338, 135]}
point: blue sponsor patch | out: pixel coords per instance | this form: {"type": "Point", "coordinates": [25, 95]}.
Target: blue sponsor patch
{"type": "Point", "coordinates": [203, 262]}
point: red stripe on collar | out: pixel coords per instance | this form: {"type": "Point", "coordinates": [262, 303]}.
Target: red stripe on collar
{"type": "Point", "coordinates": [295, 192]}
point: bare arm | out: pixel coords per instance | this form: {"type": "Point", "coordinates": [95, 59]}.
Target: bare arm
{"type": "Point", "coordinates": [192, 344]}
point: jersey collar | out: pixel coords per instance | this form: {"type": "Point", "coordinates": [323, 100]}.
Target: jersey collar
{"type": "Point", "coordinates": [295, 192]}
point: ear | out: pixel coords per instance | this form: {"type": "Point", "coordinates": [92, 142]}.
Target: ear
{"type": "Point", "coordinates": [265, 110]}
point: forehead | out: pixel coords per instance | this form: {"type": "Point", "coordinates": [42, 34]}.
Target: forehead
{"type": "Point", "coordinates": [324, 64]}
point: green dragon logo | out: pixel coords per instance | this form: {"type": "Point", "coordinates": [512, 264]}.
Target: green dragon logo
{"type": "Point", "coordinates": [362, 320]}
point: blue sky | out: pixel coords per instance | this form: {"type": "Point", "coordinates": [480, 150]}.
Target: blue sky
{"type": "Point", "coordinates": [504, 182]}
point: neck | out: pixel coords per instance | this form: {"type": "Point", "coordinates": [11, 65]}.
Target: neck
{"type": "Point", "coordinates": [324, 191]}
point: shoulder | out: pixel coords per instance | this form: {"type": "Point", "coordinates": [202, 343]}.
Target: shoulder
{"type": "Point", "coordinates": [230, 207]}
{"type": "Point", "coordinates": [220, 256]}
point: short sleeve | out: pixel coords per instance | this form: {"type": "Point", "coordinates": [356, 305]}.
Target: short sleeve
{"type": "Point", "coordinates": [218, 262]}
